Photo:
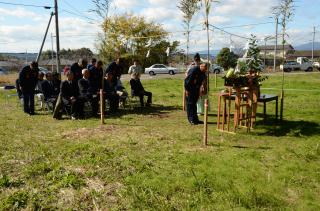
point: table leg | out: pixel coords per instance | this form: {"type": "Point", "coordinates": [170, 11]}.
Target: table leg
{"type": "Point", "coordinates": [277, 109]}
{"type": "Point", "coordinates": [264, 111]}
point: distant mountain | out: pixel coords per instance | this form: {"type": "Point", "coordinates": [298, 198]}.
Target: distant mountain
{"type": "Point", "coordinates": [22, 56]}
{"type": "Point", "coordinates": [307, 46]}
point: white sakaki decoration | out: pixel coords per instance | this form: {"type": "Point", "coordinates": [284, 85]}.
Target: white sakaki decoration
{"type": "Point", "coordinates": [149, 43]}
{"type": "Point", "coordinates": [148, 54]}
{"type": "Point", "coordinates": [168, 51]}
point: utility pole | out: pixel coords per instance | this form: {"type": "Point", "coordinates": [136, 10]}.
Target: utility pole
{"type": "Point", "coordinates": [265, 51]}
{"type": "Point", "coordinates": [57, 35]}
{"type": "Point", "coordinates": [276, 46]}
{"type": "Point", "coordinates": [314, 36]}
{"type": "Point", "coordinates": [45, 37]}
{"type": "Point", "coordinates": [51, 52]}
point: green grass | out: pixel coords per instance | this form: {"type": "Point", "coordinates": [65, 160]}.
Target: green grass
{"type": "Point", "coordinates": [154, 160]}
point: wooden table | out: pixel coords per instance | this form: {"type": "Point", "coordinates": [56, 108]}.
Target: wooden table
{"type": "Point", "coordinates": [264, 98]}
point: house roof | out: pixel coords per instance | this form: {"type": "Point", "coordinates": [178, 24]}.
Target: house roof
{"type": "Point", "coordinates": [279, 47]}
{"type": "Point", "coordinates": [305, 54]}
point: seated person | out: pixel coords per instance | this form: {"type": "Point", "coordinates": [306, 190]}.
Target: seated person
{"type": "Point", "coordinates": [110, 92]}
{"type": "Point", "coordinates": [56, 83]}
{"type": "Point", "coordinates": [121, 92]}
{"type": "Point", "coordinates": [38, 89]}
{"type": "Point", "coordinates": [69, 96]}
{"type": "Point", "coordinates": [86, 91]}
{"type": "Point", "coordinates": [138, 90]}
{"type": "Point", "coordinates": [48, 90]}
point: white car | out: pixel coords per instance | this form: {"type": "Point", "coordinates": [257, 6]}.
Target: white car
{"type": "Point", "coordinates": [161, 69]}
{"type": "Point", "coordinates": [216, 69]}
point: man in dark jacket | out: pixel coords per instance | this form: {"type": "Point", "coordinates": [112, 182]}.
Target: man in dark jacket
{"type": "Point", "coordinates": [28, 78]}
{"type": "Point", "coordinates": [69, 95]}
{"type": "Point", "coordinates": [96, 75]}
{"type": "Point", "coordinates": [138, 90]}
{"type": "Point", "coordinates": [87, 93]}
{"type": "Point", "coordinates": [48, 90]}
{"type": "Point", "coordinates": [110, 92]}
{"type": "Point", "coordinates": [77, 68]}
{"type": "Point", "coordinates": [192, 85]}
{"type": "Point", "coordinates": [115, 69]}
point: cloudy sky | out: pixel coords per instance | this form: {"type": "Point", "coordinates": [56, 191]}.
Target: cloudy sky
{"type": "Point", "coordinates": [22, 27]}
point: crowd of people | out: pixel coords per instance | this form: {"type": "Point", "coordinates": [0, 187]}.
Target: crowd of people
{"type": "Point", "coordinates": [84, 82]}
{"type": "Point", "coordinates": [82, 85]}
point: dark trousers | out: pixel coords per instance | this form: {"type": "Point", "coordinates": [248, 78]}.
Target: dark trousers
{"type": "Point", "coordinates": [28, 102]}
{"type": "Point", "coordinates": [76, 106]}
{"type": "Point", "coordinates": [145, 93]}
{"type": "Point", "coordinates": [192, 109]}
{"type": "Point", "coordinates": [113, 102]}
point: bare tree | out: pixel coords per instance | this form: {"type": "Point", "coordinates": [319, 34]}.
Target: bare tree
{"type": "Point", "coordinates": [188, 8]}
{"type": "Point", "coordinates": [284, 11]}
{"type": "Point", "coordinates": [101, 8]}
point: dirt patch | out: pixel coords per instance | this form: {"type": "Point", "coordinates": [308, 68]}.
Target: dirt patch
{"type": "Point", "coordinates": [159, 116]}
{"type": "Point", "coordinates": [90, 132]}
{"type": "Point", "coordinates": [95, 184]}
{"type": "Point", "coordinates": [66, 196]}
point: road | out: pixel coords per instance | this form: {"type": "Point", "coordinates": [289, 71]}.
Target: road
{"type": "Point", "coordinates": [126, 77]}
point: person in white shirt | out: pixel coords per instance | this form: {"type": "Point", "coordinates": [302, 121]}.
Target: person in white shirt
{"type": "Point", "coordinates": [135, 70]}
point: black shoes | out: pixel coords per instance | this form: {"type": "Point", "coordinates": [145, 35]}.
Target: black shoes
{"type": "Point", "coordinates": [196, 122]}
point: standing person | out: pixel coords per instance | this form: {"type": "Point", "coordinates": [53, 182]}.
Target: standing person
{"type": "Point", "coordinates": [115, 69]}
{"type": "Point", "coordinates": [192, 85]}
{"type": "Point", "coordinates": [96, 75]}
{"type": "Point", "coordinates": [77, 68]}
{"type": "Point", "coordinates": [28, 78]}
{"type": "Point", "coordinates": [93, 63]}
{"type": "Point", "coordinates": [196, 62]}
{"type": "Point", "coordinates": [135, 70]}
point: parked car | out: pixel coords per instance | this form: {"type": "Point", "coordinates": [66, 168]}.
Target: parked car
{"type": "Point", "coordinates": [3, 71]}
{"type": "Point", "coordinates": [216, 69]}
{"type": "Point", "coordinates": [302, 63]}
{"type": "Point", "coordinates": [44, 70]}
{"type": "Point", "coordinates": [161, 69]}
{"type": "Point", "coordinates": [316, 65]}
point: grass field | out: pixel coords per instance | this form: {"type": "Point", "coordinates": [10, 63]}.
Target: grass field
{"type": "Point", "coordinates": [154, 160]}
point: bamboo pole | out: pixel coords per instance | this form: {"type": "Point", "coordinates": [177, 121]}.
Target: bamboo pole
{"type": "Point", "coordinates": [205, 135]}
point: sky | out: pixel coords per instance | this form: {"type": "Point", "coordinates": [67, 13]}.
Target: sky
{"type": "Point", "coordinates": [22, 28]}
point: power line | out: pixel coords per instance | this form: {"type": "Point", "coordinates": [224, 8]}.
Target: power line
{"type": "Point", "coordinates": [82, 16]}
{"type": "Point", "coordinates": [235, 35]}
{"type": "Point", "coordinates": [72, 7]}
{"type": "Point", "coordinates": [25, 5]}
{"type": "Point", "coordinates": [253, 24]}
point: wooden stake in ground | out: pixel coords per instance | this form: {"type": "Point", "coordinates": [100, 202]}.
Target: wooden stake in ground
{"type": "Point", "coordinates": [102, 106]}
{"type": "Point", "coordinates": [205, 123]}
{"type": "Point", "coordinates": [281, 105]}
